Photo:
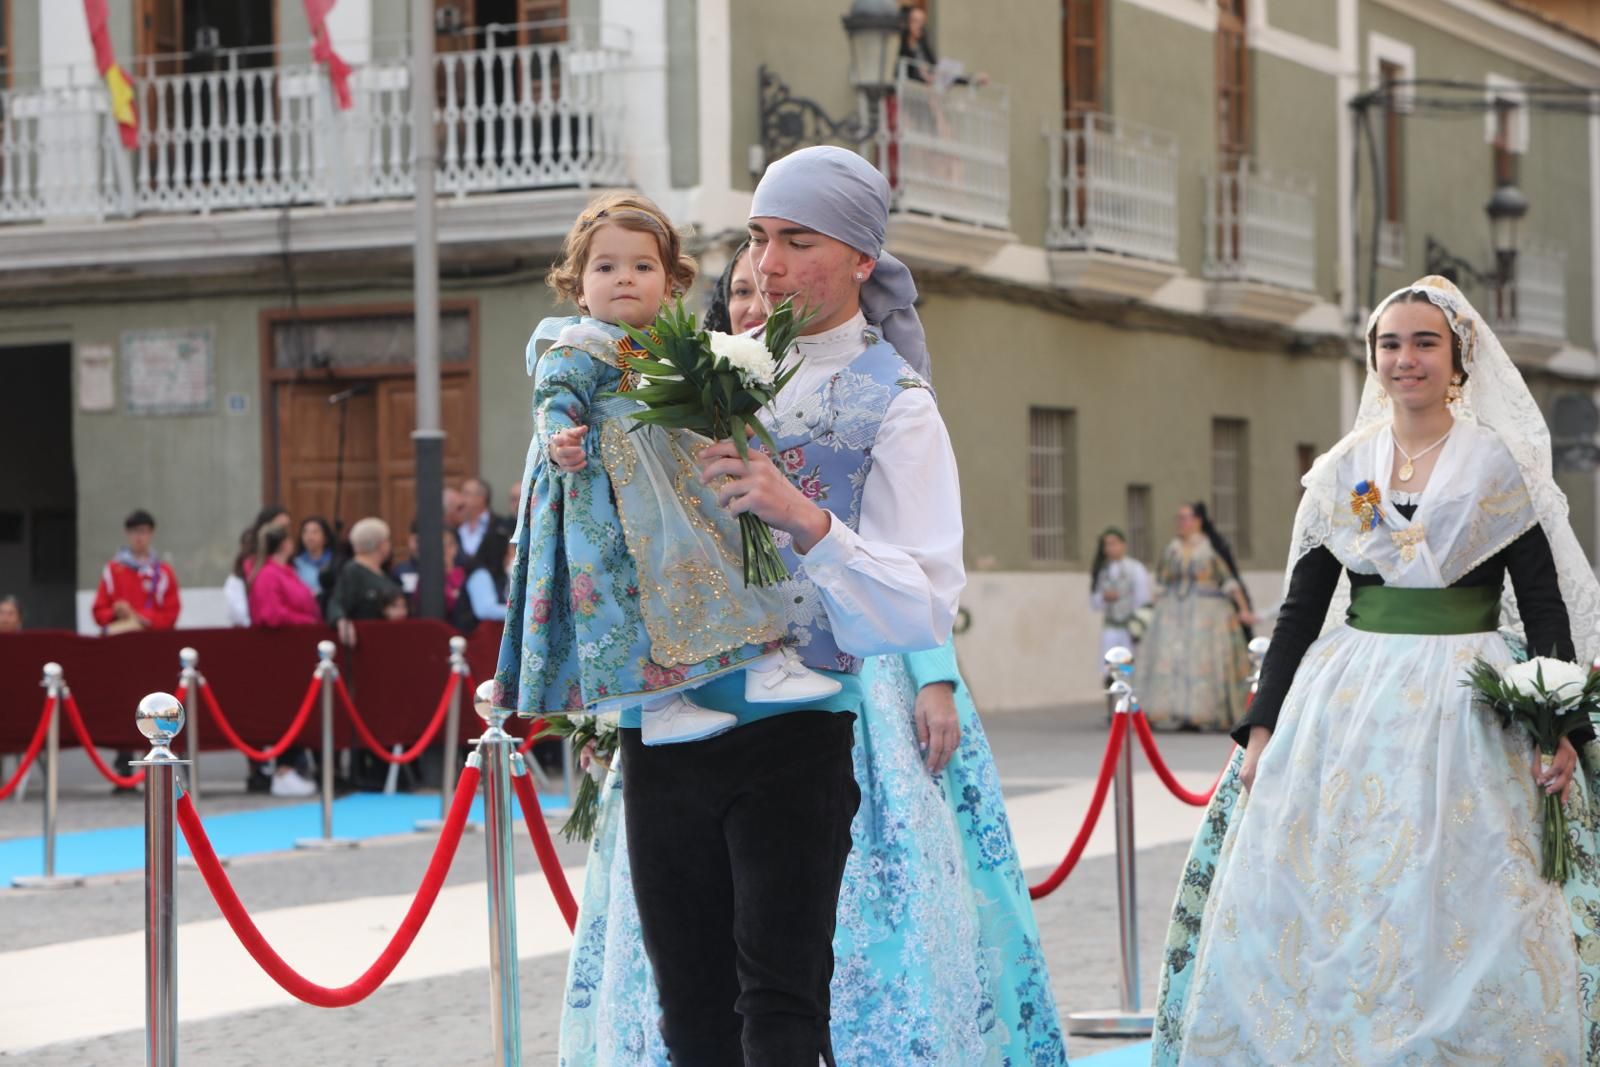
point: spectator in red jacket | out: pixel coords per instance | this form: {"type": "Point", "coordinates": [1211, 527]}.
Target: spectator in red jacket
{"type": "Point", "coordinates": [137, 591]}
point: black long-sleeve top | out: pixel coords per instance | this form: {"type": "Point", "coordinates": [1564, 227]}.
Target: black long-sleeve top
{"type": "Point", "coordinates": [1316, 577]}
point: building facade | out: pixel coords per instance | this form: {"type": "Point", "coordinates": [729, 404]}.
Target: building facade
{"type": "Point", "coordinates": [1145, 242]}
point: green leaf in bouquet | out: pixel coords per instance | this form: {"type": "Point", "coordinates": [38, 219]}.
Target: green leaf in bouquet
{"type": "Point", "coordinates": [761, 432]}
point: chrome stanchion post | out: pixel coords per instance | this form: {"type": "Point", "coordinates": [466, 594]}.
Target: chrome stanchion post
{"type": "Point", "coordinates": [1258, 655]}
{"type": "Point", "coordinates": [160, 719]}
{"type": "Point", "coordinates": [54, 685]}
{"type": "Point", "coordinates": [190, 682]}
{"type": "Point", "coordinates": [1130, 1020]}
{"type": "Point", "coordinates": [494, 757]}
{"type": "Point", "coordinates": [452, 731]}
{"type": "Point", "coordinates": [327, 672]}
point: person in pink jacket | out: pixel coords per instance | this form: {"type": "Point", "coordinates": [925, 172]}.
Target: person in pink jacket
{"type": "Point", "coordinates": [277, 595]}
{"type": "Point", "coordinates": [279, 598]}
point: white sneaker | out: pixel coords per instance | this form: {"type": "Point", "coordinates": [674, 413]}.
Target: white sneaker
{"type": "Point", "coordinates": [291, 783]}
{"type": "Point", "coordinates": [781, 678]}
{"type": "Point", "coordinates": [676, 720]}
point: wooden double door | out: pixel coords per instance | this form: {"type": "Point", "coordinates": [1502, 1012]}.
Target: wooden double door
{"type": "Point", "coordinates": [378, 473]}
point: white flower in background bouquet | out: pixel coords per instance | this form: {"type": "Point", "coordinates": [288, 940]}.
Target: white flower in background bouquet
{"type": "Point", "coordinates": [1550, 698]}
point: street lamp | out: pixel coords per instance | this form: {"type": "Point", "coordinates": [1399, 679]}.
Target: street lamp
{"type": "Point", "coordinates": [1505, 210]}
{"type": "Point", "coordinates": [873, 28]}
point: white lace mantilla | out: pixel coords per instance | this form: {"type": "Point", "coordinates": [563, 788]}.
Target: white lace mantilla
{"type": "Point", "coordinates": [1497, 424]}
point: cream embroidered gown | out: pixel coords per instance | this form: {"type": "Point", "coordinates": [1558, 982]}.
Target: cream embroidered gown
{"type": "Point", "coordinates": [1376, 898]}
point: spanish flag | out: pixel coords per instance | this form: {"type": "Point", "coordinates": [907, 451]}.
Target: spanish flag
{"type": "Point", "coordinates": [117, 83]}
{"type": "Point", "coordinates": [322, 50]}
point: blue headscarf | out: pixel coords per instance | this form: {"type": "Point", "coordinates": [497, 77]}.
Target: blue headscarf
{"type": "Point", "coordinates": [840, 195]}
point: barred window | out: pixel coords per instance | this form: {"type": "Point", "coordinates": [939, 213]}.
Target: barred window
{"type": "Point", "coordinates": [1052, 485]}
{"type": "Point", "coordinates": [1139, 546]}
{"type": "Point", "coordinates": [1230, 482]}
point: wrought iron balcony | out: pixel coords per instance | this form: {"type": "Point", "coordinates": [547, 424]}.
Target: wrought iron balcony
{"type": "Point", "coordinates": [247, 136]}
{"type": "Point", "coordinates": [1113, 188]}
{"type": "Point", "coordinates": [945, 147]}
{"type": "Point", "coordinates": [1261, 228]}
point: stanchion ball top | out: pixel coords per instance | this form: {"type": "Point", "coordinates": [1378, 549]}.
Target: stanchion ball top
{"type": "Point", "coordinates": [325, 649]}
{"type": "Point", "coordinates": [1259, 645]}
{"type": "Point", "coordinates": [1118, 657]}
{"type": "Point", "coordinates": [458, 645]}
{"type": "Point", "coordinates": [188, 657]}
{"type": "Point", "coordinates": [483, 700]}
{"type": "Point", "coordinates": [52, 670]}
{"type": "Point", "coordinates": [160, 717]}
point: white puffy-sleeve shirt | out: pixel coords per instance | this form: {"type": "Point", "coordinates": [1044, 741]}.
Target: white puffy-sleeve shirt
{"type": "Point", "coordinates": [893, 584]}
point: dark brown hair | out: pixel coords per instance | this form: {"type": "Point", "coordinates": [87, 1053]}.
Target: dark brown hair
{"type": "Point", "coordinates": [631, 212]}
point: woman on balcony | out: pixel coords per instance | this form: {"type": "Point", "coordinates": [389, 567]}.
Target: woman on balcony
{"type": "Point", "coordinates": [1374, 893]}
{"type": "Point", "coordinates": [1193, 669]}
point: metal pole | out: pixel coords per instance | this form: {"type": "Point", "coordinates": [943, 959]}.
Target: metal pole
{"type": "Point", "coordinates": [160, 719]}
{"type": "Point", "coordinates": [1129, 1020]}
{"type": "Point", "coordinates": [190, 683]}
{"type": "Point", "coordinates": [56, 687]}
{"type": "Point", "coordinates": [428, 437]}
{"type": "Point", "coordinates": [496, 750]}
{"type": "Point", "coordinates": [327, 672]}
{"type": "Point", "coordinates": [452, 731]}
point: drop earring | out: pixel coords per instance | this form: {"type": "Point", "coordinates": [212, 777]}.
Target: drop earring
{"type": "Point", "coordinates": [1452, 395]}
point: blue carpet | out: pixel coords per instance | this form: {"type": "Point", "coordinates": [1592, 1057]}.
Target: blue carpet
{"type": "Point", "coordinates": [243, 833]}
{"type": "Point", "coordinates": [1127, 1056]}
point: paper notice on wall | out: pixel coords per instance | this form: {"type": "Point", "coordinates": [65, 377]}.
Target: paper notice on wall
{"type": "Point", "coordinates": [168, 372]}
{"type": "Point", "coordinates": [97, 390]}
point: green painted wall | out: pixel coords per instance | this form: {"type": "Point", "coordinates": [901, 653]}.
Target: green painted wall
{"type": "Point", "coordinates": [1154, 65]}
{"type": "Point", "coordinates": [1293, 119]}
{"type": "Point", "coordinates": [1449, 172]}
{"type": "Point", "coordinates": [201, 475]}
{"type": "Point", "coordinates": [805, 45]}
{"type": "Point", "coordinates": [24, 43]}
{"type": "Point", "coordinates": [1024, 60]}
{"type": "Point", "coordinates": [683, 92]}
{"type": "Point", "coordinates": [1315, 20]}
{"type": "Point", "coordinates": [1157, 434]}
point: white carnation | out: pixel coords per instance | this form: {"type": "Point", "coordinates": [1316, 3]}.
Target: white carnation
{"type": "Point", "coordinates": [747, 355]}
{"type": "Point", "coordinates": [1562, 680]}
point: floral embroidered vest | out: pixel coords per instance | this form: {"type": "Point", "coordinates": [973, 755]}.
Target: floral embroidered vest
{"type": "Point", "coordinates": [825, 447]}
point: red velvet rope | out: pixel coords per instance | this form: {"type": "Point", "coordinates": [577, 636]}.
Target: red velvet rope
{"type": "Point", "coordinates": [267, 958]}
{"type": "Point", "coordinates": [535, 733]}
{"type": "Point", "coordinates": [369, 739]}
{"type": "Point", "coordinates": [32, 753]}
{"type": "Point", "coordinates": [545, 848]}
{"type": "Point", "coordinates": [1108, 770]}
{"type": "Point", "coordinates": [260, 755]}
{"type": "Point", "coordinates": [1159, 765]}
{"type": "Point", "coordinates": [121, 781]}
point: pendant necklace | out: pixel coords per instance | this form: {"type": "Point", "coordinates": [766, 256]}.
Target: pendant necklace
{"type": "Point", "coordinates": [1406, 468]}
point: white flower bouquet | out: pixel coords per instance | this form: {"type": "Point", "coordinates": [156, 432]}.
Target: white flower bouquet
{"type": "Point", "coordinates": [600, 731]}
{"type": "Point", "coordinates": [715, 384]}
{"type": "Point", "coordinates": [1550, 698]}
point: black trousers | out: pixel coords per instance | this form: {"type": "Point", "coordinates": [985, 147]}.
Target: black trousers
{"type": "Point", "coordinates": [738, 845]}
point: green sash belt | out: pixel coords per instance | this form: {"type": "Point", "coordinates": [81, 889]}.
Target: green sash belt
{"type": "Point", "coordinates": [1382, 609]}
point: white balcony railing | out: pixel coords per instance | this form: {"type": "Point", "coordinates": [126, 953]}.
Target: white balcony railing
{"type": "Point", "coordinates": [946, 149]}
{"type": "Point", "coordinates": [1261, 228]}
{"type": "Point", "coordinates": [506, 118]}
{"type": "Point", "coordinates": [1534, 302]}
{"type": "Point", "coordinates": [1113, 188]}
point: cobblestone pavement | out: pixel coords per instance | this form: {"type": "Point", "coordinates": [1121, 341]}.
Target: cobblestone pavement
{"type": "Point", "coordinates": [443, 1020]}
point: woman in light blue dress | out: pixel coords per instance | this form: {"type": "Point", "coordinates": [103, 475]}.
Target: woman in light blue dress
{"type": "Point", "coordinates": [937, 959]}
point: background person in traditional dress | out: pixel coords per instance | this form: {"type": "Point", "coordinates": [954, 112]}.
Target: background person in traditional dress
{"type": "Point", "coordinates": [1119, 586]}
{"type": "Point", "coordinates": [1193, 670]}
{"type": "Point", "coordinates": [929, 969]}
{"type": "Point", "coordinates": [1375, 895]}
{"type": "Point", "coordinates": [735, 305]}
